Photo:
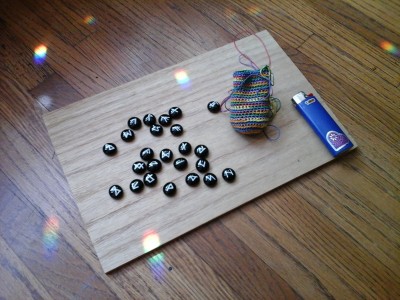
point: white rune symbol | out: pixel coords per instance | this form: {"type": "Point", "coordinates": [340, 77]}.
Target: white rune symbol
{"type": "Point", "coordinates": [210, 177]}
{"type": "Point", "coordinates": [201, 149]}
{"type": "Point", "coordinates": [228, 172]}
{"type": "Point", "coordinates": [201, 163]}
{"type": "Point", "coordinates": [156, 128]}
{"type": "Point", "coordinates": [149, 178]}
{"type": "Point", "coordinates": [126, 134]}
{"type": "Point", "coordinates": [139, 166]}
{"type": "Point", "coordinates": [174, 110]}
{"type": "Point", "coordinates": [115, 190]}
{"type": "Point", "coordinates": [165, 119]}
{"type": "Point", "coordinates": [147, 151]}
{"type": "Point", "coordinates": [165, 154]}
{"type": "Point", "coordinates": [109, 147]}
{"type": "Point", "coordinates": [176, 128]}
{"type": "Point", "coordinates": [148, 118]}
{"type": "Point", "coordinates": [135, 185]}
{"type": "Point", "coordinates": [183, 146]}
{"type": "Point", "coordinates": [153, 163]}
{"type": "Point", "coordinates": [179, 161]}
{"type": "Point", "coordinates": [169, 187]}
{"type": "Point", "coordinates": [192, 177]}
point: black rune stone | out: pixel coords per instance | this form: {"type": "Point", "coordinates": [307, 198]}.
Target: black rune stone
{"type": "Point", "coordinates": [175, 112]}
{"type": "Point", "coordinates": [116, 192]}
{"type": "Point", "coordinates": [169, 189]}
{"type": "Point", "coordinates": [192, 179]}
{"type": "Point", "coordinates": [202, 165]}
{"type": "Point", "coordinates": [149, 119]}
{"type": "Point", "coordinates": [154, 165]}
{"type": "Point", "coordinates": [229, 175]}
{"type": "Point", "coordinates": [156, 130]}
{"type": "Point", "coordinates": [165, 120]}
{"type": "Point", "coordinates": [150, 179]}
{"type": "Point", "coordinates": [210, 180]}
{"type": "Point", "coordinates": [166, 155]}
{"type": "Point", "coordinates": [201, 151]}
{"type": "Point", "coordinates": [176, 130]}
{"type": "Point", "coordinates": [139, 167]}
{"type": "Point", "coordinates": [180, 163]}
{"type": "Point", "coordinates": [185, 148]}
{"type": "Point", "coordinates": [147, 154]}
{"type": "Point", "coordinates": [134, 123]}
{"type": "Point", "coordinates": [214, 107]}
{"type": "Point", "coordinates": [127, 135]}
{"type": "Point", "coordinates": [109, 149]}
{"type": "Point", "coordinates": [136, 186]}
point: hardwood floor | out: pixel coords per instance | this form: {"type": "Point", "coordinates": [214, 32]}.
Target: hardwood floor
{"type": "Point", "coordinates": [332, 233]}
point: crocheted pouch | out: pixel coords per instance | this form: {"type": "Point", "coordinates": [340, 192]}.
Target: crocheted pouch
{"type": "Point", "coordinates": [251, 107]}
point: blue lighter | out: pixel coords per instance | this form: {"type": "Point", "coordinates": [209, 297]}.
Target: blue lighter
{"type": "Point", "coordinates": [323, 124]}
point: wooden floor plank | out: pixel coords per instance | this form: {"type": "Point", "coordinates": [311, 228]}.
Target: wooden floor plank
{"type": "Point", "coordinates": [351, 44]}
{"type": "Point", "coordinates": [356, 21]}
{"type": "Point", "coordinates": [145, 49]}
{"type": "Point", "coordinates": [356, 266]}
{"type": "Point", "coordinates": [174, 272]}
{"type": "Point", "coordinates": [36, 245]}
{"type": "Point", "coordinates": [311, 20]}
{"type": "Point", "coordinates": [18, 60]}
{"type": "Point", "coordinates": [255, 16]}
{"type": "Point", "coordinates": [198, 278]}
{"type": "Point", "coordinates": [54, 93]}
{"type": "Point", "coordinates": [377, 232]}
{"type": "Point", "coordinates": [229, 257]}
{"type": "Point", "coordinates": [62, 19]}
{"type": "Point", "coordinates": [16, 280]}
{"type": "Point", "coordinates": [24, 114]}
{"type": "Point", "coordinates": [385, 12]}
{"type": "Point", "coordinates": [77, 70]}
{"type": "Point", "coordinates": [310, 277]}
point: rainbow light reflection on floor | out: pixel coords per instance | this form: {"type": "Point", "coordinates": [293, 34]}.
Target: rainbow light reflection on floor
{"type": "Point", "coordinates": [39, 55]}
{"type": "Point", "coordinates": [89, 20]}
{"type": "Point", "coordinates": [390, 48]}
{"type": "Point", "coordinates": [231, 14]}
{"type": "Point", "coordinates": [50, 236]}
{"type": "Point", "coordinates": [157, 267]}
{"type": "Point", "coordinates": [254, 10]}
{"type": "Point", "coordinates": [150, 241]}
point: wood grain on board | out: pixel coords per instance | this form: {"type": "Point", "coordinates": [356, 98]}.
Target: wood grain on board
{"type": "Point", "coordinates": [117, 228]}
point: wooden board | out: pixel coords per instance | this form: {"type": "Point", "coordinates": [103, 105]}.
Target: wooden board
{"type": "Point", "coordinates": [117, 228]}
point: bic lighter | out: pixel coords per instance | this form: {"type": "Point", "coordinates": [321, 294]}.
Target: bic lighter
{"type": "Point", "coordinates": [324, 126]}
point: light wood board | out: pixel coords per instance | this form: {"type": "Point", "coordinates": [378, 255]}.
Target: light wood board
{"type": "Point", "coordinates": [117, 228]}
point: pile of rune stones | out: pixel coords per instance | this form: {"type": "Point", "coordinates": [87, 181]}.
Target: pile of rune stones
{"type": "Point", "coordinates": [149, 165]}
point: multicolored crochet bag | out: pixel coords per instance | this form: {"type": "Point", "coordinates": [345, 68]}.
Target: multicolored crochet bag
{"type": "Point", "coordinates": [251, 104]}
